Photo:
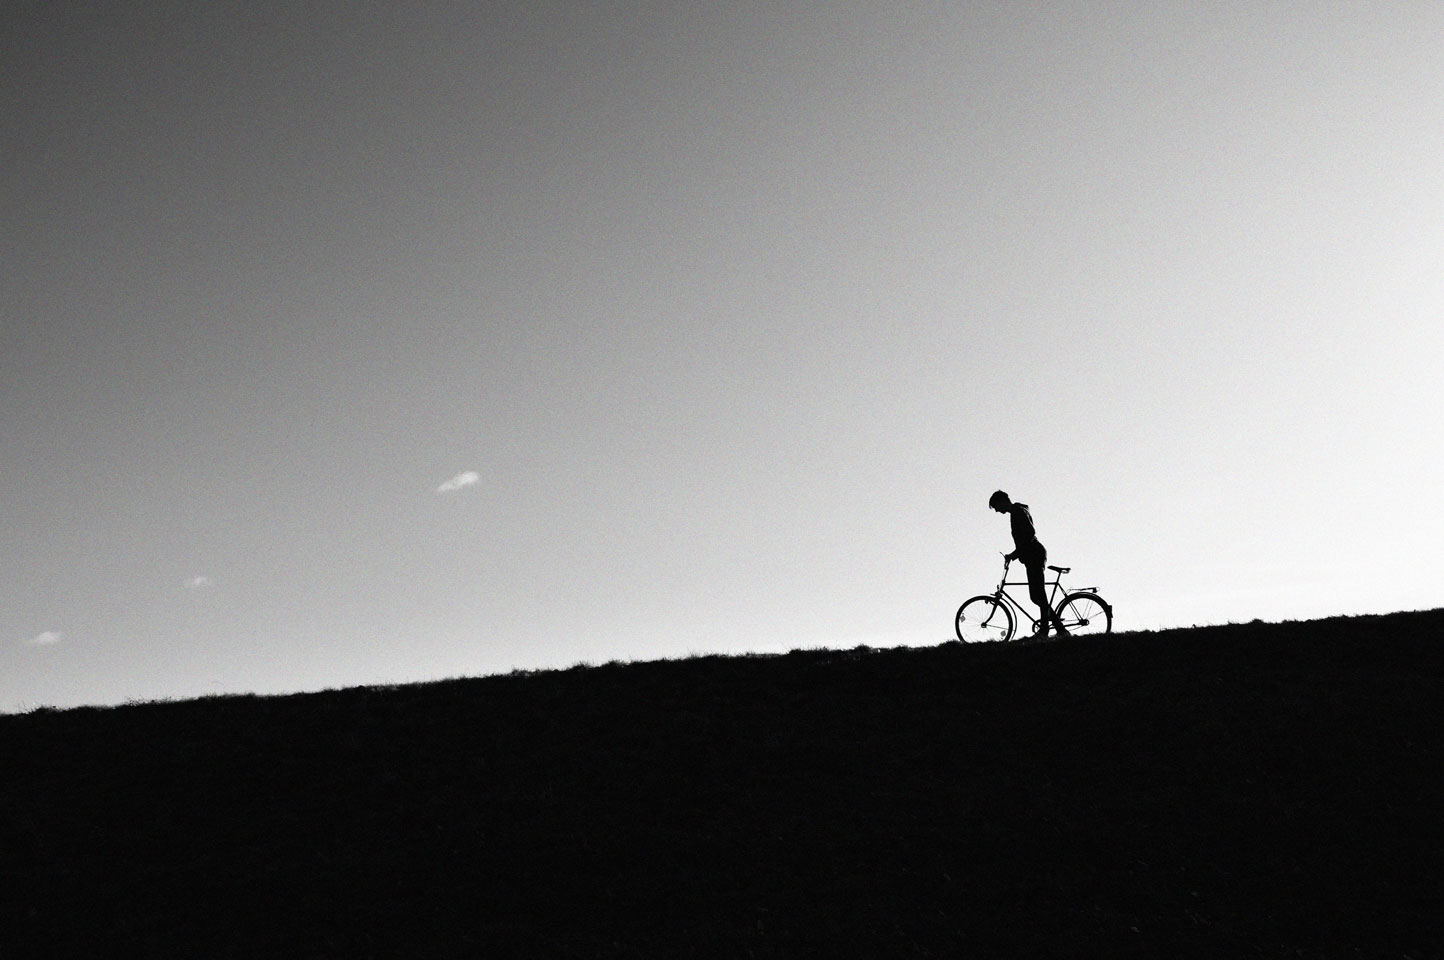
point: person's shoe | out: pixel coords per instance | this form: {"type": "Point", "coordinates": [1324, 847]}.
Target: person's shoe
{"type": "Point", "coordinates": [1040, 636]}
{"type": "Point", "coordinates": [1064, 634]}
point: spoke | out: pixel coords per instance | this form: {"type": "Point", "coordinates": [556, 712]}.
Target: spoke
{"type": "Point", "coordinates": [984, 621]}
{"type": "Point", "coordinates": [1086, 615]}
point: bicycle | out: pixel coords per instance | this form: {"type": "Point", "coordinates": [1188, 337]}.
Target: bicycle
{"type": "Point", "coordinates": [990, 617]}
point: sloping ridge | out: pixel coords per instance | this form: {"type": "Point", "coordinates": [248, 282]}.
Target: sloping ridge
{"type": "Point", "coordinates": [1244, 790]}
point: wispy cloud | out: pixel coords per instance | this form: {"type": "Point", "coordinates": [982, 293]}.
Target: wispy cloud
{"type": "Point", "coordinates": [199, 583]}
{"type": "Point", "coordinates": [45, 639]}
{"type": "Point", "coordinates": [460, 481]}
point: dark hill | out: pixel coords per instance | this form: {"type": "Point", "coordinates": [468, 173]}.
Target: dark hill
{"type": "Point", "coordinates": [1249, 790]}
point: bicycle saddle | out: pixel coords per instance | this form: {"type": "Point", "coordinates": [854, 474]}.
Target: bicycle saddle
{"type": "Point", "coordinates": [1059, 569]}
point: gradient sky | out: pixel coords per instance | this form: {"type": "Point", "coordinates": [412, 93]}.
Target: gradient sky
{"type": "Point", "coordinates": [723, 319]}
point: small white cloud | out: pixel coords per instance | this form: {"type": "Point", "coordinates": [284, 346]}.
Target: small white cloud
{"type": "Point", "coordinates": [45, 639]}
{"type": "Point", "coordinates": [460, 481]}
{"type": "Point", "coordinates": [199, 583]}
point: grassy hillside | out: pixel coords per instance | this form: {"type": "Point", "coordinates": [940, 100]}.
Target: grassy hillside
{"type": "Point", "coordinates": [1251, 790]}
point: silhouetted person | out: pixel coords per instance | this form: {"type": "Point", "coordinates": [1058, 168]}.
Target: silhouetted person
{"type": "Point", "coordinates": [1033, 554]}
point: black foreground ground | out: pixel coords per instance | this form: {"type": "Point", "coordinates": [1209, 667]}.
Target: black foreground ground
{"type": "Point", "coordinates": [1263, 790]}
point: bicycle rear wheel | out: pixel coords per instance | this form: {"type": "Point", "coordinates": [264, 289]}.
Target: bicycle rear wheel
{"type": "Point", "coordinates": [984, 619]}
{"type": "Point", "coordinates": [1085, 613]}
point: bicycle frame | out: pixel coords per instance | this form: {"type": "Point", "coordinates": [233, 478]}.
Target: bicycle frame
{"type": "Point", "coordinates": [1055, 591]}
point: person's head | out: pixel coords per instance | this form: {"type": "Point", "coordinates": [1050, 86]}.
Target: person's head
{"type": "Point", "coordinates": [999, 501]}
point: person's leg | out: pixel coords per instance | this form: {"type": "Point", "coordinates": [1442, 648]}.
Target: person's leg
{"type": "Point", "coordinates": [1039, 595]}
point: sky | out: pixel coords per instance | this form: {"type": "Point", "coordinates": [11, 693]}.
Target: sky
{"type": "Point", "coordinates": [352, 342]}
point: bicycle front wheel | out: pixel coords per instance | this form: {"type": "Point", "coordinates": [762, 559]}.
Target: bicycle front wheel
{"type": "Point", "coordinates": [1083, 614]}
{"type": "Point", "coordinates": [983, 620]}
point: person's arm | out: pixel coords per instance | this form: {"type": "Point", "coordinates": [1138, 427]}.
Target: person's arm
{"type": "Point", "coordinates": [1013, 512]}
